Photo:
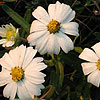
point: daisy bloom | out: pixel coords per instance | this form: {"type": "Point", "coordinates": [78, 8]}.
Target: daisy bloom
{"type": "Point", "coordinates": [49, 31]}
{"type": "Point", "coordinates": [92, 67]}
{"type": "Point", "coordinates": [21, 73]}
{"type": "Point", "coordinates": [8, 33]}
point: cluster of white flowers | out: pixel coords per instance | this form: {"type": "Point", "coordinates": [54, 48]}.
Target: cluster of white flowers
{"type": "Point", "coordinates": [21, 72]}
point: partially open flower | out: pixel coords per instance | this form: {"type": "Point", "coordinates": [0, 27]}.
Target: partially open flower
{"type": "Point", "coordinates": [49, 31]}
{"type": "Point", "coordinates": [21, 73]}
{"type": "Point", "coordinates": [9, 34]}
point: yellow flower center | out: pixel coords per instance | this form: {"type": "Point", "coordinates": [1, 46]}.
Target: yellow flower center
{"type": "Point", "coordinates": [98, 64]}
{"type": "Point", "coordinates": [10, 35]}
{"type": "Point", "coordinates": [53, 26]}
{"type": "Point", "coordinates": [17, 73]}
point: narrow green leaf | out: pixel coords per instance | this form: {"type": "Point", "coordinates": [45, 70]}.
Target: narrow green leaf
{"type": "Point", "coordinates": [61, 76]}
{"type": "Point", "coordinates": [27, 18]}
{"type": "Point", "coordinates": [16, 17]}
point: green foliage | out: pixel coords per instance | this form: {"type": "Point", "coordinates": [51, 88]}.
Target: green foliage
{"type": "Point", "coordinates": [16, 17]}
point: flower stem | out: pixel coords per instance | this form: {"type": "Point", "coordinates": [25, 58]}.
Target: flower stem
{"type": "Point", "coordinates": [46, 93]}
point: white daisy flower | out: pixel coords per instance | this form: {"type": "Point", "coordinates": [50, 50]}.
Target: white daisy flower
{"type": "Point", "coordinates": [8, 33]}
{"type": "Point", "coordinates": [21, 73]}
{"type": "Point", "coordinates": [49, 31]}
{"type": "Point", "coordinates": [92, 67]}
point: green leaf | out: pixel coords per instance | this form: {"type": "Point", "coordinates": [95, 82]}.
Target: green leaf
{"type": "Point", "coordinates": [61, 72]}
{"type": "Point", "coordinates": [54, 80]}
{"type": "Point", "coordinates": [16, 17]}
{"type": "Point", "coordinates": [27, 18]}
{"type": "Point", "coordinates": [72, 60]}
{"type": "Point", "coordinates": [2, 53]}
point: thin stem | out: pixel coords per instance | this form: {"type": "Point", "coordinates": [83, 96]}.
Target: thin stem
{"type": "Point", "coordinates": [52, 56]}
{"type": "Point", "coordinates": [46, 2]}
{"type": "Point", "coordinates": [23, 39]}
{"type": "Point", "coordinates": [83, 24]}
{"type": "Point", "coordinates": [89, 34]}
{"type": "Point", "coordinates": [46, 93]}
{"type": "Point", "coordinates": [74, 3]}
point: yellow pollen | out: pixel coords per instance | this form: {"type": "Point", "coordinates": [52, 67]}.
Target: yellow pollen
{"type": "Point", "coordinates": [98, 64]}
{"type": "Point", "coordinates": [10, 35]}
{"type": "Point", "coordinates": [17, 73]}
{"type": "Point", "coordinates": [53, 26]}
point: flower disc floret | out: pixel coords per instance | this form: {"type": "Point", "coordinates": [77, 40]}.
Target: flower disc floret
{"type": "Point", "coordinates": [10, 35]}
{"type": "Point", "coordinates": [53, 26]}
{"type": "Point", "coordinates": [17, 73]}
{"type": "Point", "coordinates": [98, 64]}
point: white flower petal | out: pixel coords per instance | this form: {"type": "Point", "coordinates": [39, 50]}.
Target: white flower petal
{"type": "Point", "coordinates": [41, 43]}
{"type": "Point", "coordinates": [3, 41]}
{"type": "Point", "coordinates": [70, 28]}
{"type": "Point", "coordinates": [37, 60]}
{"type": "Point", "coordinates": [5, 77]}
{"type": "Point", "coordinates": [53, 46]}
{"type": "Point", "coordinates": [35, 74]}
{"type": "Point", "coordinates": [88, 67]}
{"type": "Point", "coordinates": [41, 14]}
{"type": "Point", "coordinates": [94, 78]}
{"type": "Point", "coordinates": [12, 27]}
{"type": "Point", "coordinates": [9, 43]}
{"type": "Point", "coordinates": [10, 90]}
{"type": "Point", "coordinates": [3, 32]}
{"type": "Point", "coordinates": [17, 55]}
{"type": "Point", "coordinates": [51, 11]}
{"type": "Point", "coordinates": [14, 54]}
{"type": "Point", "coordinates": [35, 77]}
{"type": "Point", "coordinates": [33, 89]}
{"type": "Point", "coordinates": [7, 62]}
{"type": "Point", "coordinates": [69, 17]}
{"type": "Point", "coordinates": [88, 55]}
{"type": "Point", "coordinates": [61, 12]}
{"type": "Point", "coordinates": [22, 51]}
{"type": "Point", "coordinates": [96, 48]}
{"type": "Point", "coordinates": [57, 11]}
{"type": "Point", "coordinates": [34, 80]}
{"type": "Point", "coordinates": [34, 66]}
{"type": "Point", "coordinates": [22, 91]}
{"type": "Point", "coordinates": [30, 53]}
{"type": "Point", "coordinates": [41, 86]}
{"type": "Point", "coordinates": [17, 32]}
{"type": "Point", "coordinates": [35, 36]}
{"type": "Point", "coordinates": [37, 26]}
{"type": "Point", "coordinates": [65, 42]}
